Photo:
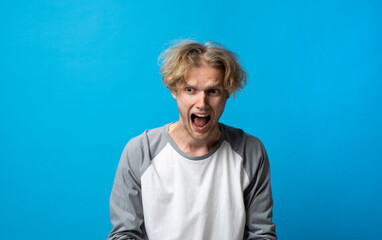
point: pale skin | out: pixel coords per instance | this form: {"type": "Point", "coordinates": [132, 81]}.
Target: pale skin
{"type": "Point", "coordinates": [202, 97]}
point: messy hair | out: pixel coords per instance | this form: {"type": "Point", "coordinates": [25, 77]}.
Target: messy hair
{"type": "Point", "coordinates": [181, 57]}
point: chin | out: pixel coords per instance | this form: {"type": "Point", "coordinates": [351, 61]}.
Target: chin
{"type": "Point", "coordinates": [202, 135]}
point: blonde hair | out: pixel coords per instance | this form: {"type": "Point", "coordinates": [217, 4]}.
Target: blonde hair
{"type": "Point", "coordinates": [186, 54]}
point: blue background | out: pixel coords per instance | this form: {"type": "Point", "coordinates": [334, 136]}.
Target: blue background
{"type": "Point", "coordinates": [80, 78]}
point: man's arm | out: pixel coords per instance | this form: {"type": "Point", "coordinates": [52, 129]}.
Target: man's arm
{"type": "Point", "coordinates": [126, 212]}
{"type": "Point", "coordinates": [258, 197]}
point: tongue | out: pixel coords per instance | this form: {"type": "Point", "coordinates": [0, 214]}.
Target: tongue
{"type": "Point", "coordinates": [200, 121]}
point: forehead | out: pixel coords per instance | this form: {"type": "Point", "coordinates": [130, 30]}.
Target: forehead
{"type": "Point", "coordinates": [204, 75]}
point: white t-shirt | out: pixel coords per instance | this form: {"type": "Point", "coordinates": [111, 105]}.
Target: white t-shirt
{"type": "Point", "coordinates": [161, 193]}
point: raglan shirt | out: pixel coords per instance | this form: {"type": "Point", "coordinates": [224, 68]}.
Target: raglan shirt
{"type": "Point", "coordinates": [161, 193]}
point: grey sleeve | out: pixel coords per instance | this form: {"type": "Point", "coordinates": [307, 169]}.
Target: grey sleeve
{"type": "Point", "coordinates": [126, 213]}
{"type": "Point", "coordinates": [258, 194]}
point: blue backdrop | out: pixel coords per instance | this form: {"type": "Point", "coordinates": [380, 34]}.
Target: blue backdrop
{"type": "Point", "coordinates": [80, 78]}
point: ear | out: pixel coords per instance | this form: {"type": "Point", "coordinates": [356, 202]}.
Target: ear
{"type": "Point", "coordinates": [173, 93]}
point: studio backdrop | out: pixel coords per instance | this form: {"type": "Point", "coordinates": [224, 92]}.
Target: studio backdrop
{"type": "Point", "coordinates": [81, 78]}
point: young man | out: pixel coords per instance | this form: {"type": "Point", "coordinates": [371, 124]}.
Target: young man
{"type": "Point", "coordinates": [194, 179]}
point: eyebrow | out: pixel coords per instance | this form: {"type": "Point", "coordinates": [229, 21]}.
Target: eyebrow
{"type": "Point", "coordinates": [208, 87]}
{"type": "Point", "coordinates": [216, 85]}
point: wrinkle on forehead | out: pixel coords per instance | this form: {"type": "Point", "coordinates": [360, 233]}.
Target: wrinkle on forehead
{"type": "Point", "coordinates": [203, 74]}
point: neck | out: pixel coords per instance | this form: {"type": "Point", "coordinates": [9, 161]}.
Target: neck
{"type": "Point", "coordinates": [190, 145]}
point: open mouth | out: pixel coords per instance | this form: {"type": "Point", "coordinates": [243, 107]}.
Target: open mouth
{"type": "Point", "coordinates": [200, 121]}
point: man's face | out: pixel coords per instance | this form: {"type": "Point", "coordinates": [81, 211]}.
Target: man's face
{"type": "Point", "coordinates": [201, 101]}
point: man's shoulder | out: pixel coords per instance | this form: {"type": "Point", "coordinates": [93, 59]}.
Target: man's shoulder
{"type": "Point", "coordinates": [244, 144]}
{"type": "Point", "coordinates": [148, 134]}
{"type": "Point", "coordinates": [249, 147]}
{"type": "Point", "coordinates": [237, 136]}
{"type": "Point", "coordinates": [151, 140]}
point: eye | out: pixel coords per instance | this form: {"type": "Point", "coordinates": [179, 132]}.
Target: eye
{"type": "Point", "coordinates": [214, 92]}
{"type": "Point", "coordinates": [189, 90]}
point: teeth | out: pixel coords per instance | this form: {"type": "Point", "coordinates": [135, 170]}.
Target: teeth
{"type": "Point", "coordinates": [200, 115]}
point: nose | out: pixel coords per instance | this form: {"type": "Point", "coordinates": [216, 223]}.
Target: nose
{"type": "Point", "coordinates": [202, 100]}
